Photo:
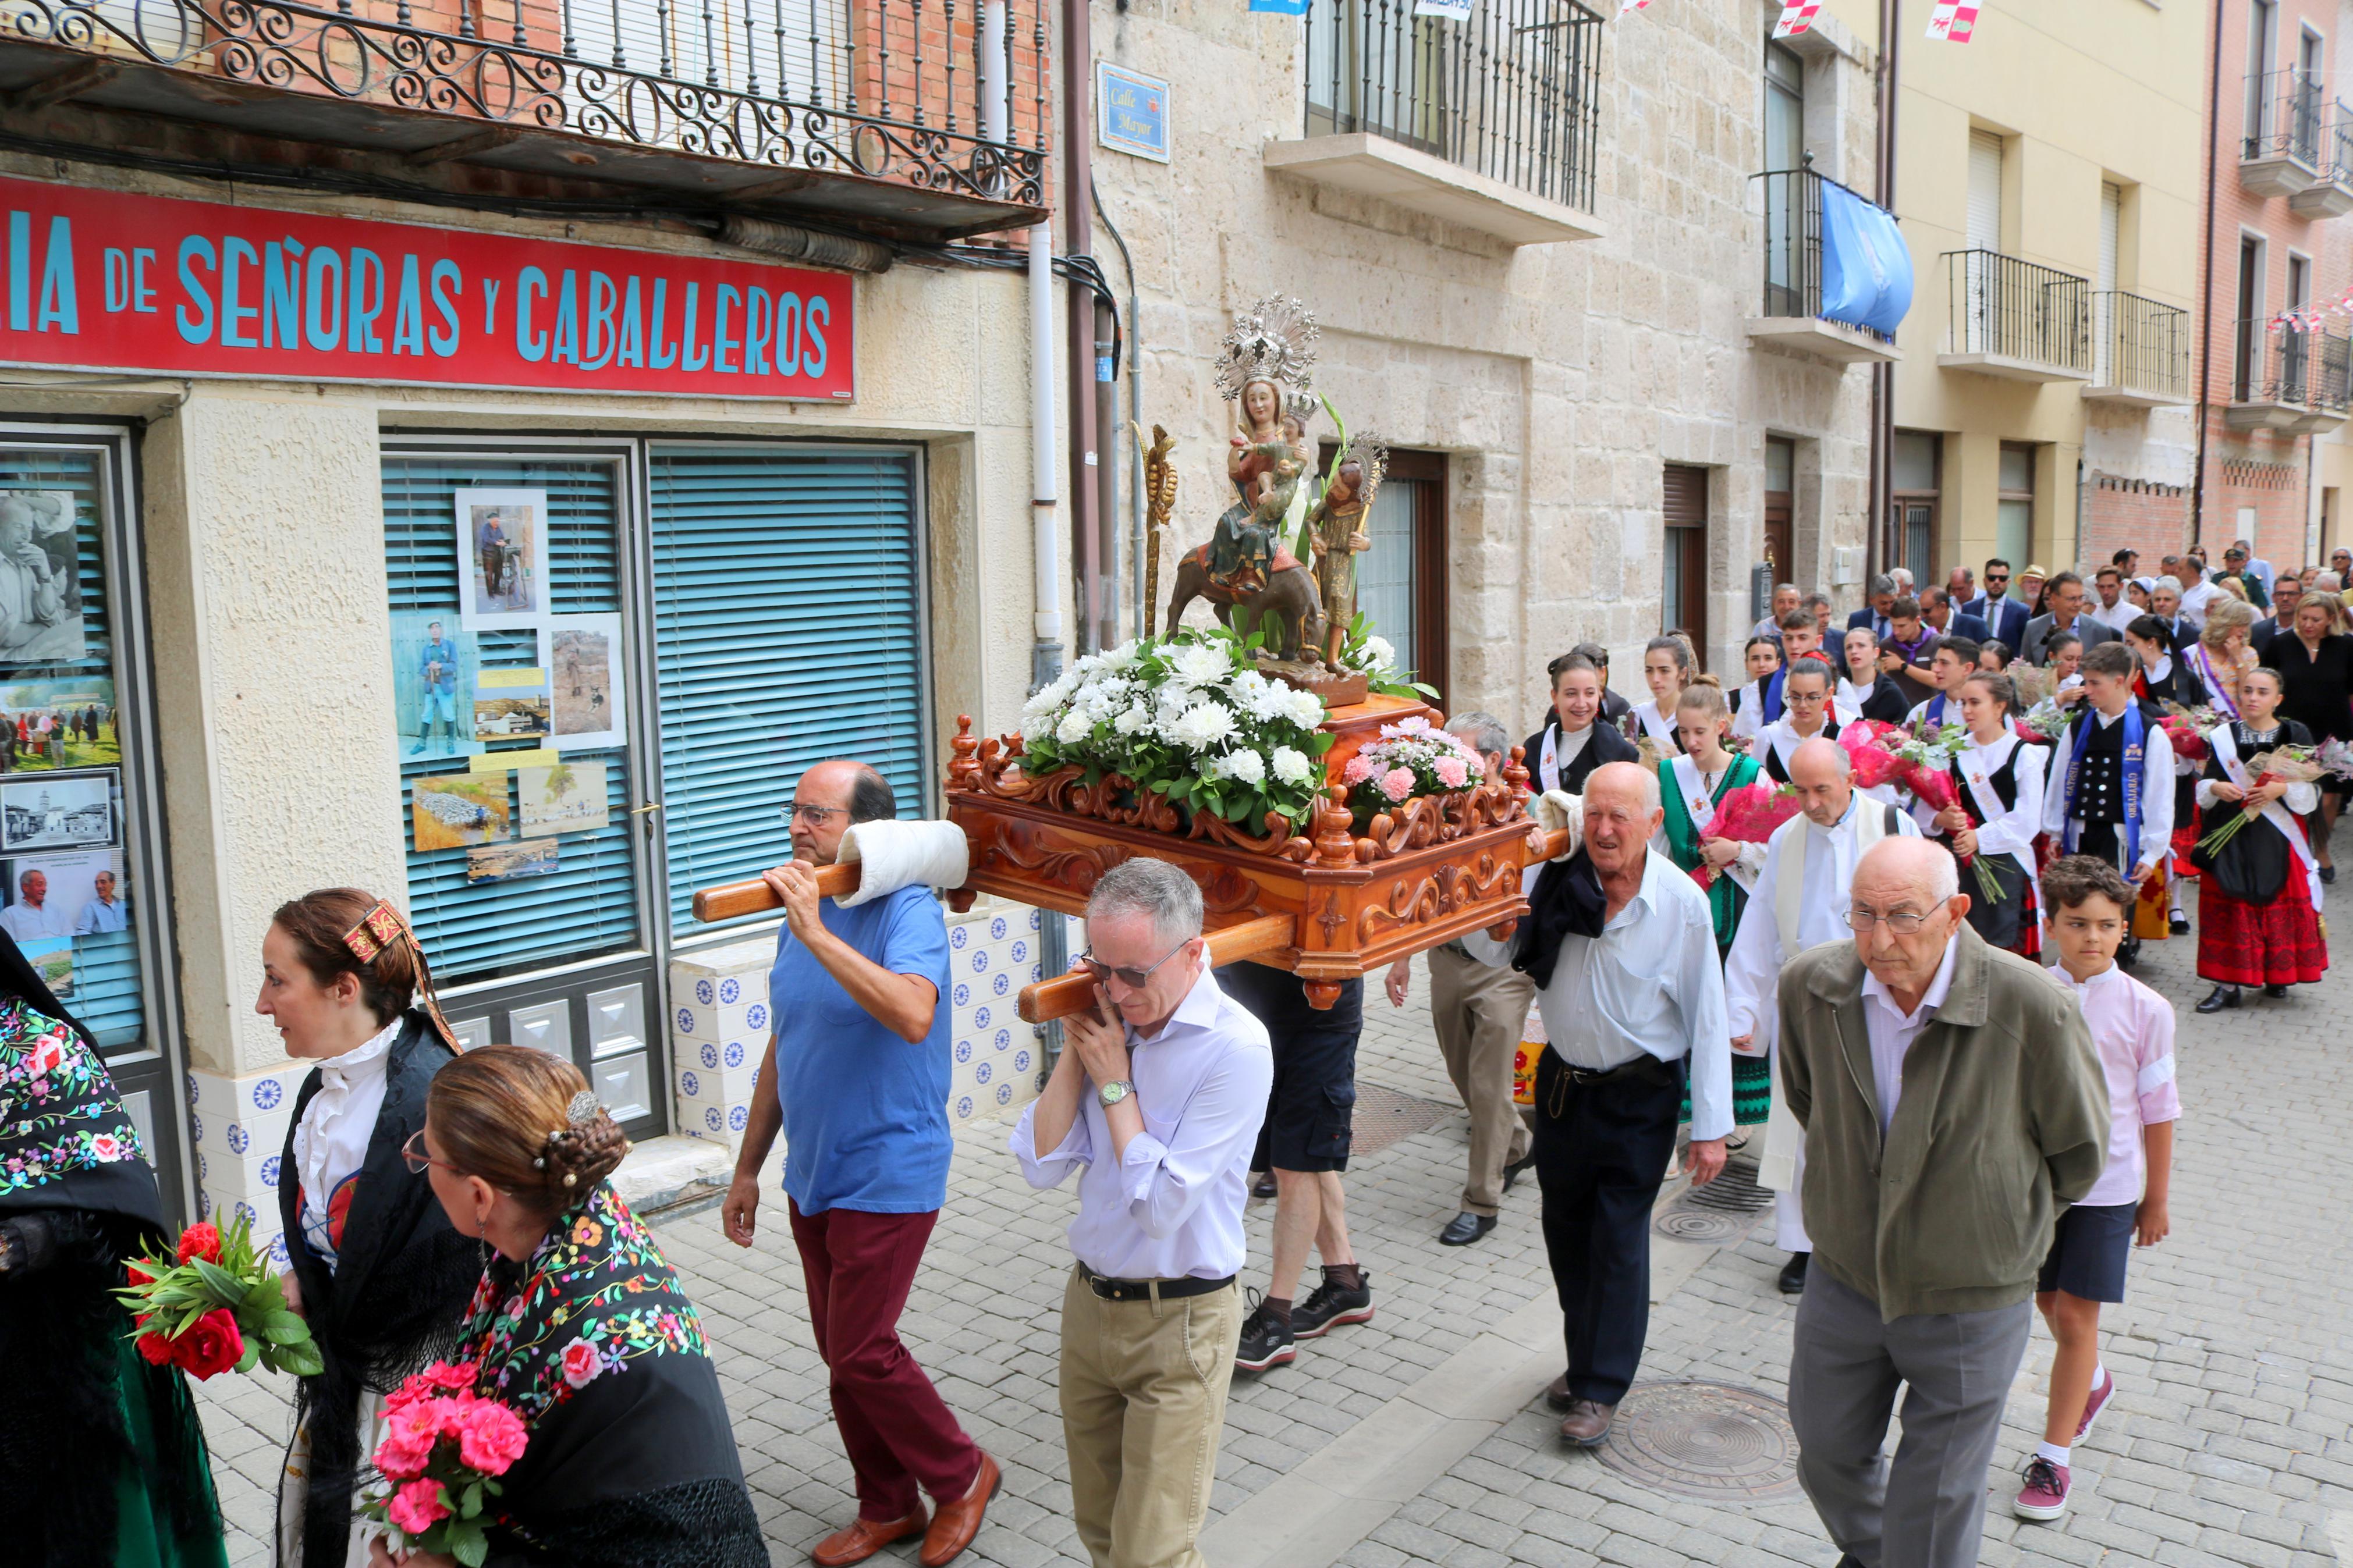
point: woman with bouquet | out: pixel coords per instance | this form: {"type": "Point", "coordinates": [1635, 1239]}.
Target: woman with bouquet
{"type": "Point", "coordinates": [579, 1326]}
{"type": "Point", "coordinates": [2160, 680]}
{"type": "Point", "coordinates": [1692, 786]}
{"type": "Point", "coordinates": [374, 1266]}
{"type": "Point", "coordinates": [2258, 899]}
{"type": "Point", "coordinates": [101, 1456]}
{"type": "Point", "coordinates": [1996, 813]}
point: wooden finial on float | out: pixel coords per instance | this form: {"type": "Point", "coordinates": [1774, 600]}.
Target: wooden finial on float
{"type": "Point", "coordinates": [964, 772]}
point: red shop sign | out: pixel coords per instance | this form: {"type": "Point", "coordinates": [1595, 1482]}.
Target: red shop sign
{"type": "Point", "coordinates": [106, 281]}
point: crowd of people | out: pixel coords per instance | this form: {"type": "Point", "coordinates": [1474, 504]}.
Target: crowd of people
{"type": "Point", "coordinates": [1961, 1097]}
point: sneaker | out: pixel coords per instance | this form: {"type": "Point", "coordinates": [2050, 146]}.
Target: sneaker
{"type": "Point", "coordinates": [1329, 1305]}
{"type": "Point", "coordinates": [2044, 1494]}
{"type": "Point", "coordinates": [2094, 1404]}
{"type": "Point", "coordinates": [1266, 1339]}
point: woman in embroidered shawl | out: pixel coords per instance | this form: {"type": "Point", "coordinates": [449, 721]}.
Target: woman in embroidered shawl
{"type": "Point", "coordinates": [372, 1263]}
{"type": "Point", "coordinates": [1691, 786]}
{"type": "Point", "coordinates": [102, 1458]}
{"type": "Point", "coordinates": [581, 1328]}
{"type": "Point", "coordinates": [2258, 899]}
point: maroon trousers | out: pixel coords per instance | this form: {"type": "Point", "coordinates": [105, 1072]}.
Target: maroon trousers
{"type": "Point", "coordinates": [898, 1431]}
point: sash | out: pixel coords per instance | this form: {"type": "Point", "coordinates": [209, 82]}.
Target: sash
{"type": "Point", "coordinates": [2225, 747]}
{"type": "Point", "coordinates": [2136, 746]}
{"type": "Point", "coordinates": [1548, 760]}
{"type": "Point", "coordinates": [1769, 696]}
{"type": "Point", "coordinates": [2217, 693]}
{"type": "Point", "coordinates": [1660, 730]}
{"type": "Point", "coordinates": [1976, 776]}
{"type": "Point", "coordinates": [1693, 788]}
{"type": "Point", "coordinates": [1933, 710]}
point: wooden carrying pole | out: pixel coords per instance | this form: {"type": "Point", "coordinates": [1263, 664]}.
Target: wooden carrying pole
{"type": "Point", "coordinates": [1067, 993]}
{"type": "Point", "coordinates": [732, 898]}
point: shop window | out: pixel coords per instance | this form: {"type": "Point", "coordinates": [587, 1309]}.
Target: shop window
{"type": "Point", "coordinates": [477, 925]}
{"type": "Point", "coordinates": [788, 628]}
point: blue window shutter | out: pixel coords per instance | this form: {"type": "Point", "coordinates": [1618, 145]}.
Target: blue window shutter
{"type": "Point", "coordinates": [788, 628]}
{"type": "Point", "coordinates": [588, 907]}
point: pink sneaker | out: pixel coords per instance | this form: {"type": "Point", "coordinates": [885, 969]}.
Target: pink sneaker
{"type": "Point", "coordinates": [2095, 1404]}
{"type": "Point", "coordinates": [2044, 1494]}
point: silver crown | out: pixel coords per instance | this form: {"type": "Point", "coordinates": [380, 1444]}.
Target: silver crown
{"type": "Point", "coordinates": [1273, 340]}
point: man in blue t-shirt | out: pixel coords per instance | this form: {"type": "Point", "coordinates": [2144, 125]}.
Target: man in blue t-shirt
{"type": "Point", "coordinates": [857, 1078]}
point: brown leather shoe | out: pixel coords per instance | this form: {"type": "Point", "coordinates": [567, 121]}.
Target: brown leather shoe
{"type": "Point", "coordinates": [1556, 1394]}
{"type": "Point", "coordinates": [865, 1538]}
{"type": "Point", "coordinates": [1588, 1423]}
{"type": "Point", "coordinates": [956, 1523]}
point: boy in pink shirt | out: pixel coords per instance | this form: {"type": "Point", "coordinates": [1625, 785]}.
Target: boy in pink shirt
{"type": "Point", "coordinates": [2088, 909]}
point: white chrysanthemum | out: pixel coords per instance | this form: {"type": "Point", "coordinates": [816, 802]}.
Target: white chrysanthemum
{"type": "Point", "coordinates": [1075, 727]}
{"type": "Point", "coordinates": [1247, 766]}
{"type": "Point", "coordinates": [1292, 767]}
{"type": "Point", "coordinates": [1174, 699]}
{"type": "Point", "coordinates": [1121, 657]}
{"type": "Point", "coordinates": [1377, 656]}
{"type": "Point", "coordinates": [1050, 696]}
{"type": "Point", "coordinates": [1035, 727]}
{"type": "Point", "coordinates": [1203, 726]}
{"type": "Point", "coordinates": [1202, 664]}
{"type": "Point", "coordinates": [1304, 709]}
{"type": "Point", "coordinates": [1135, 721]}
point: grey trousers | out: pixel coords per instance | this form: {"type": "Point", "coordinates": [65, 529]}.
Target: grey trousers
{"type": "Point", "coordinates": [1480, 1013]}
{"type": "Point", "coordinates": [1927, 1508]}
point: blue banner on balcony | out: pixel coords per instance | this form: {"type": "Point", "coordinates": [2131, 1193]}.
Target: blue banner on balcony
{"type": "Point", "coordinates": [1866, 266]}
{"type": "Point", "coordinates": [1280, 7]}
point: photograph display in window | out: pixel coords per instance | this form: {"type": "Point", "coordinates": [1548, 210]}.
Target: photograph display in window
{"type": "Point", "coordinates": [433, 661]}
{"type": "Point", "coordinates": [502, 558]}
{"type": "Point", "coordinates": [584, 656]}
{"type": "Point", "coordinates": [40, 592]}
{"type": "Point", "coordinates": [460, 809]}
{"type": "Point", "coordinates": [76, 895]}
{"type": "Point", "coordinates": [568, 798]}
{"type": "Point", "coordinates": [69, 723]}
{"type": "Point", "coordinates": [56, 811]}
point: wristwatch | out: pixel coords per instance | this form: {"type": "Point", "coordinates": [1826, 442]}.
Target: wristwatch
{"type": "Point", "coordinates": [1114, 1091]}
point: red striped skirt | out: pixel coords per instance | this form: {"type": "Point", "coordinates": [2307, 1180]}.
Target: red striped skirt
{"type": "Point", "coordinates": [2277, 943]}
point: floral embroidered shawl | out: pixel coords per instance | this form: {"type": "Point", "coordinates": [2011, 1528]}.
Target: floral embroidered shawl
{"type": "Point", "coordinates": [58, 1110]}
{"type": "Point", "coordinates": [596, 1296]}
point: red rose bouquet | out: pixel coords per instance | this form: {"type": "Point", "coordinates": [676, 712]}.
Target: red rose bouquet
{"type": "Point", "coordinates": [213, 1308]}
{"type": "Point", "coordinates": [1869, 748]}
{"type": "Point", "coordinates": [444, 1447]}
{"type": "Point", "coordinates": [1747, 815]}
{"type": "Point", "coordinates": [2186, 735]}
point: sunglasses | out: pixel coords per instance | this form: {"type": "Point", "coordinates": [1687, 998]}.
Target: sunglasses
{"type": "Point", "coordinates": [1996, 577]}
{"type": "Point", "coordinates": [1134, 979]}
{"type": "Point", "coordinates": [413, 1155]}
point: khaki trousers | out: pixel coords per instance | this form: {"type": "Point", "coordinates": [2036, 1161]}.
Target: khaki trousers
{"type": "Point", "coordinates": [1144, 1402]}
{"type": "Point", "coordinates": [1480, 1012]}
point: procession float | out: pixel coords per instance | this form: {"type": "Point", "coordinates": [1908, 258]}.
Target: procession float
{"type": "Point", "coordinates": [1280, 758]}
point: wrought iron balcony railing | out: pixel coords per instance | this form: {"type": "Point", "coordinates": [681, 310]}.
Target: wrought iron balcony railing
{"type": "Point", "coordinates": [2140, 346]}
{"type": "Point", "coordinates": [2280, 366]}
{"type": "Point", "coordinates": [947, 98]}
{"type": "Point", "coordinates": [1511, 92]}
{"type": "Point", "coordinates": [2283, 118]}
{"type": "Point", "coordinates": [2017, 311]}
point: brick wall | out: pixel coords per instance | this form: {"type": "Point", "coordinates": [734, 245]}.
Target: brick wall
{"type": "Point", "coordinates": [2125, 513]}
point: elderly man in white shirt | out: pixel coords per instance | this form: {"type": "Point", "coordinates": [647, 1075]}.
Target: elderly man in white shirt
{"type": "Point", "coordinates": [1155, 1102]}
{"type": "Point", "coordinates": [1799, 901]}
{"type": "Point", "coordinates": [1622, 948]}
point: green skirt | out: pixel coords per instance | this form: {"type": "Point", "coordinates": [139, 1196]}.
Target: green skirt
{"type": "Point", "coordinates": [1752, 1091]}
{"type": "Point", "coordinates": [145, 1536]}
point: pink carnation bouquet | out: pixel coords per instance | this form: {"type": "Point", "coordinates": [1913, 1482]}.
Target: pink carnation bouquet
{"type": "Point", "coordinates": [444, 1447]}
{"type": "Point", "coordinates": [1411, 757]}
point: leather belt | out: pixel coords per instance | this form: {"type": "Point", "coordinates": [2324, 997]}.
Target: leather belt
{"type": "Point", "coordinates": [1111, 1290]}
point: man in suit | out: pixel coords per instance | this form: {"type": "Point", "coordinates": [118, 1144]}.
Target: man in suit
{"type": "Point", "coordinates": [2064, 595]}
{"type": "Point", "coordinates": [1937, 613]}
{"type": "Point", "coordinates": [1874, 613]}
{"type": "Point", "coordinates": [2004, 617]}
{"type": "Point", "coordinates": [2288, 593]}
{"type": "Point", "coordinates": [1576, 739]}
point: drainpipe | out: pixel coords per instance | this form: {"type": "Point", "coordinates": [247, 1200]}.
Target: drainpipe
{"type": "Point", "coordinates": [2206, 309]}
{"type": "Point", "coordinates": [1046, 652]}
{"type": "Point", "coordinates": [1106, 587]}
{"type": "Point", "coordinates": [1882, 377]}
{"type": "Point", "coordinates": [1077, 222]}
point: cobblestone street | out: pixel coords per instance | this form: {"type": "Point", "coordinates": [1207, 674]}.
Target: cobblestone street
{"type": "Point", "coordinates": [1420, 1437]}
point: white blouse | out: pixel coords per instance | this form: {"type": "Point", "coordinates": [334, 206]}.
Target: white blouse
{"type": "Point", "coordinates": [332, 1140]}
{"type": "Point", "coordinates": [2011, 832]}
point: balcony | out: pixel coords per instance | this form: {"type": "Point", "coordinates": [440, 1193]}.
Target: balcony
{"type": "Point", "coordinates": [1795, 263]}
{"type": "Point", "coordinates": [1490, 123]}
{"type": "Point", "coordinates": [2014, 320]}
{"type": "Point", "coordinates": [888, 117]}
{"type": "Point", "coordinates": [2289, 382]}
{"type": "Point", "coordinates": [2331, 196]}
{"type": "Point", "coordinates": [2280, 156]}
{"type": "Point", "coordinates": [2140, 351]}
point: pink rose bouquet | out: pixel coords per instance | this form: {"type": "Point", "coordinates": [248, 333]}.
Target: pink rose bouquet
{"type": "Point", "coordinates": [1748, 816]}
{"type": "Point", "coordinates": [443, 1449]}
{"type": "Point", "coordinates": [1411, 757]}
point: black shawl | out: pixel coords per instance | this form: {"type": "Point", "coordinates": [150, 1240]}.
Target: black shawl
{"type": "Point", "coordinates": [76, 1197]}
{"type": "Point", "coordinates": [394, 1301]}
{"type": "Point", "coordinates": [1606, 744]}
{"type": "Point", "coordinates": [632, 1462]}
{"type": "Point", "coordinates": [1566, 902]}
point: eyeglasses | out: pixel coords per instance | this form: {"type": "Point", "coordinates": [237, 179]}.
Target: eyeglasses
{"type": "Point", "coordinates": [815, 815]}
{"type": "Point", "coordinates": [1134, 979]}
{"type": "Point", "coordinates": [1902, 922]}
{"type": "Point", "coordinates": [413, 1155]}
{"type": "Point", "coordinates": [1996, 577]}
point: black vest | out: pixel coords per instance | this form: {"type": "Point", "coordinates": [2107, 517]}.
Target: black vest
{"type": "Point", "coordinates": [1773, 767]}
{"type": "Point", "coordinates": [2004, 780]}
{"type": "Point", "coordinates": [2100, 785]}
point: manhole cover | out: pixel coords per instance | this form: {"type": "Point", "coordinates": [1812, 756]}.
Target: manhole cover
{"type": "Point", "coordinates": [1708, 1440]}
{"type": "Point", "coordinates": [1384, 1116]}
{"type": "Point", "coordinates": [1734, 1191]}
{"type": "Point", "coordinates": [1681, 1221]}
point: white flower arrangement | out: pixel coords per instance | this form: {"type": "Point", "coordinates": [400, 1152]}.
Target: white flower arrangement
{"type": "Point", "coordinates": [1190, 717]}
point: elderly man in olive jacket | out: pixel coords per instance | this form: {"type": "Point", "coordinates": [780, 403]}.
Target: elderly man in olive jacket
{"type": "Point", "coordinates": [1952, 1101]}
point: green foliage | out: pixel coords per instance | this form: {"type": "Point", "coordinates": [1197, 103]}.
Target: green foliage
{"type": "Point", "coordinates": [1377, 661]}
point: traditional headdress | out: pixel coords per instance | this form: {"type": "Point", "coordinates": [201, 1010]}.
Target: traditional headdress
{"type": "Point", "coordinates": [381, 927]}
{"type": "Point", "coordinates": [1274, 341]}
